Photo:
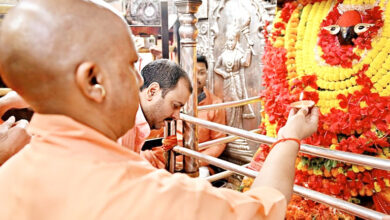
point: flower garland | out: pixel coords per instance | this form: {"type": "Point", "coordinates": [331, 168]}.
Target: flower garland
{"type": "Point", "coordinates": [350, 85]}
{"type": "Point", "coordinates": [334, 80]}
{"type": "Point", "coordinates": [291, 39]}
{"type": "Point", "coordinates": [300, 208]}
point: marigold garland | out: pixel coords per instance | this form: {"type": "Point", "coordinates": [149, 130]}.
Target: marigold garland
{"type": "Point", "coordinates": [349, 84]}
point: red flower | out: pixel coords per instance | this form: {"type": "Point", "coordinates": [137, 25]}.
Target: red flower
{"type": "Point", "coordinates": [287, 10]}
{"type": "Point", "coordinates": [310, 80]}
{"type": "Point", "coordinates": [351, 175]}
{"type": "Point", "coordinates": [334, 189]}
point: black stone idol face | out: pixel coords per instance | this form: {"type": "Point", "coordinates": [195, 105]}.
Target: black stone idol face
{"type": "Point", "coordinates": [348, 27]}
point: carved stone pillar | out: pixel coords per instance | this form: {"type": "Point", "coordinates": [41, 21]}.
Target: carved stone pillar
{"type": "Point", "coordinates": [188, 33]}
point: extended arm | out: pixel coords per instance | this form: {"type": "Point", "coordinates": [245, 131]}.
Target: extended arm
{"type": "Point", "coordinates": [278, 170]}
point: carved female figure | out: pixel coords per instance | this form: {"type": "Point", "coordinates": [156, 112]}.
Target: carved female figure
{"type": "Point", "coordinates": [230, 65]}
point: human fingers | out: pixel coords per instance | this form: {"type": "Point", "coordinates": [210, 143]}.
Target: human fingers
{"type": "Point", "coordinates": [6, 126]}
{"type": "Point", "coordinates": [314, 114]}
{"type": "Point", "coordinates": [313, 119]}
{"type": "Point", "coordinates": [292, 113]}
{"type": "Point", "coordinates": [303, 111]}
{"type": "Point", "coordinates": [22, 124]}
{"type": "Point", "coordinates": [17, 138]}
{"type": "Point", "coordinates": [280, 133]}
{"type": "Point", "coordinates": [310, 124]}
{"type": "Point", "coordinates": [20, 129]}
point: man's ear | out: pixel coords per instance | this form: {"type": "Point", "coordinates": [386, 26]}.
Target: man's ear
{"type": "Point", "coordinates": [89, 79]}
{"type": "Point", "coordinates": [153, 90]}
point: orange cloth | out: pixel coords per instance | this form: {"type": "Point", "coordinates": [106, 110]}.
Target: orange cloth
{"type": "Point", "coordinates": [155, 157]}
{"type": "Point", "coordinates": [156, 133]}
{"type": "Point", "coordinates": [70, 171]}
{"type": "Point", "coordinates": [217, 116]}
{"type": "Point", "coordinates": [135, 138]}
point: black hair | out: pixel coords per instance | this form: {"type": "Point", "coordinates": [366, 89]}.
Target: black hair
{"type": "Point", "coordinates": [166, 73]}
{"type": "Point", "coordinates": [202, 59]}
{"type": "Point", "coordinates": [2, 84]}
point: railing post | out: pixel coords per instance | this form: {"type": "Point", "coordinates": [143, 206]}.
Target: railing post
{"type": "Point", "coordinates": [188, 33]}
{"type": "Point", "coordinates": [170, 130]}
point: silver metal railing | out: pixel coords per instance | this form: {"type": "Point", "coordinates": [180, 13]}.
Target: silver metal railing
{"type": "Point", "coordinates": [223, 140]}
{"type": "Point", "coordinates": [230, 104]}
{"type": "Point", "coordinates": [347, 157]}
{"type": "Point", "coordinates": [347, 207]}
{"type": "Point", "coordinates": [222, 175]}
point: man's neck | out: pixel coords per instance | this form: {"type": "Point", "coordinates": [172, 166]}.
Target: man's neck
{"type": "Point", "coordinates": [200, 90]}
{"type": "Point", "coordinates": [142, 110]}
{"type": "Point", "coordinates": [201, 97]}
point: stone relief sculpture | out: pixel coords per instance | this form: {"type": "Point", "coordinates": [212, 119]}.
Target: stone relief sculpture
{"type": "Point", "coordinates": [230, 65]}
{"type": "Point", "coordinates": [142, 12]}
{"type": "Point", "coordinates": [245, 20]}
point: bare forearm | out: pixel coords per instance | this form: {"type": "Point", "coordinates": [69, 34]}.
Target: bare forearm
{"type": "Point", "coordinates": [278, 170]}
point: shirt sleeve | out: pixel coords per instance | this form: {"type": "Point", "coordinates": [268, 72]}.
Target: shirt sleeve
{"type": "Point", "coordinates": [160, 195]}
{"type": "Point", "coordinates": [155, 157]}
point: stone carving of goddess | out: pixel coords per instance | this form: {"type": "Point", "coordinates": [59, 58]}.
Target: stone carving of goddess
{"type": "Point", "coordinates": [230, 65]}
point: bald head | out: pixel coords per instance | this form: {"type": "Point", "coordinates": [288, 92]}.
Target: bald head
{"type": "Point", "coordinates": [41, 39]}
{"type": "Point", "coordinates": [54, 53]}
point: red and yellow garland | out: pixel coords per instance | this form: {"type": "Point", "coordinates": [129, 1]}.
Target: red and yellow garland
{"type": "Point", "coordinates": [350, 85]}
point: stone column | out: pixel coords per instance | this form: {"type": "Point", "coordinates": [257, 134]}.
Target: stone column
{"type": "Point", "coordinates": [188, 33]}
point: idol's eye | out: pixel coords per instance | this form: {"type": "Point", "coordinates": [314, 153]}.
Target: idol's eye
{"type": "Point", "coordinates": [333, 29]}
{"type": "Point", "coordinates": [362, 27]}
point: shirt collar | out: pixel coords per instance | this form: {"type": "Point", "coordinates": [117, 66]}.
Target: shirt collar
{"type": "Point", "coordinates": [208, 100]}
{"type": "Point", "coordinates": [59, 130]}
{"type": "Point", "coordinates": [142, 123]}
